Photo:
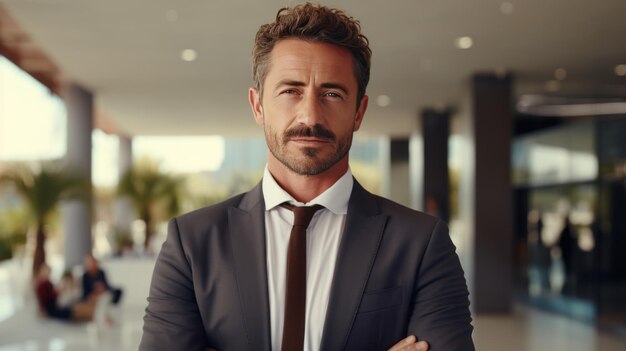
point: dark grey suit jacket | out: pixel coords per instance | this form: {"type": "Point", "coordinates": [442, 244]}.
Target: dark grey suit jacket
{"type": "Point", "coordinates": [396, 274]}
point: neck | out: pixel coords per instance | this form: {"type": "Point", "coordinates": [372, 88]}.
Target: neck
{"type": "Point", "coordinates": [305, 188]}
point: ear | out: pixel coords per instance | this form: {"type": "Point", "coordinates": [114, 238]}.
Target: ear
{"type": "Point", "coordinates": [360, 112]}
{"type": "Point", "coordinates": [255, 104]}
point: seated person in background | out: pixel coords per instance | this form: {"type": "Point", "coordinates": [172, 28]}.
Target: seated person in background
{"type": "Point", "coordinates": [95, 282]}
{"type": "Point", "coordinates": [68, 290]}
{"type": "Point", "coordinates": [47, 298]}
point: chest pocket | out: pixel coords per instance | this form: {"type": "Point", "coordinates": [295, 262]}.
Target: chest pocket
{"type": "Point", "coordinates": [381, 299]}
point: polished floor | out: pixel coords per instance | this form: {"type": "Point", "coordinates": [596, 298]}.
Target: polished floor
{"type": "Point", "coordinates": [21, 330]}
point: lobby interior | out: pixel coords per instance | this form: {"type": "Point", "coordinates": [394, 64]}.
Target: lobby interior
{"type": "Point", "coordinates": [504, 118]}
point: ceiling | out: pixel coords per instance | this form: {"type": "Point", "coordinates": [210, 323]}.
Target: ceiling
{"type": "Point", "coordinates": [128, 53]}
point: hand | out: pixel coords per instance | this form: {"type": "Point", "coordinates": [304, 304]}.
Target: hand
{"type": "Point", "coordinates": [99, 287]}
{"type": "Point", "coordinates": [410, 343]}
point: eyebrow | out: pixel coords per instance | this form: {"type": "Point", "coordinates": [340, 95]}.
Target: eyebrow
{"type": "Point", "coordinates": [295, 83]}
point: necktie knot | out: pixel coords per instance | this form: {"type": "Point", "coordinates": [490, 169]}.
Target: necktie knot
{"type": "Point", "coordinates": [302, 214]}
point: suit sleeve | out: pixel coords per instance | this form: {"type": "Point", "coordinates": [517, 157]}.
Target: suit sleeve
{"type": "Point", "coordinates": [172, 320]}
{"type": "Point", "coordinates": [441, 313]}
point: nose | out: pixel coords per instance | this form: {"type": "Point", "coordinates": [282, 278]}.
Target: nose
{"type": "Point", "coordinates": [310, 110]}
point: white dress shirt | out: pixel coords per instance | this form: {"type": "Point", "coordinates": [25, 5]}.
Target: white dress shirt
{"type": "Point", "coordinates": [323, 237]}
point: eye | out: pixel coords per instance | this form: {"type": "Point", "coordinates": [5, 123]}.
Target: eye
{"type": "Point", "coordinates": [289, 92]}
{"type": "Point", "coordinates": [333, 94]}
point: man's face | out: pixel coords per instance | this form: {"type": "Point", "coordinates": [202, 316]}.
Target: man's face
{"type": "Point", "coordinates": [90, 264]}
{"type": "Point", "coordinates": [308, 108]}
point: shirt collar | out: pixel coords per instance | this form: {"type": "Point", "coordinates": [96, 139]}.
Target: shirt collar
{"type": "Point", "coordinates": [334, 198]}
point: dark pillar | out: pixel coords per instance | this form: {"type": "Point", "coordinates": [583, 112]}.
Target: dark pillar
{"type": "Point", "coordinates": [492, 117]}
{"type": "Point", "coordinates": [399, 171]}
{"type": "Point", "coordinates": [435, 130]}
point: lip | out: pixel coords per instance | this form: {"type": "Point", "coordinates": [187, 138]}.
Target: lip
{"type": "Point", "coordinates": [309, 141]}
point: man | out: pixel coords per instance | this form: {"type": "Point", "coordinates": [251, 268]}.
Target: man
{"type": "Point", "coordinates": [95, 283]}
{"type": "Point", "coordinates": [372, 275]}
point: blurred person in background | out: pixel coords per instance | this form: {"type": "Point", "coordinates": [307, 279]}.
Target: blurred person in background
{"type": "Point", "coordinates": [308, 259]}
{"type": "Point", "coordinates": [568, 245]}
{"type": "Point", "coordinates": [69, 291]}
{"type": "Point", "coordinates": [95, 283]}
{"type": "Point", "coordinates": [47, 297]}
{"type": "Point", "coordinates": [539, 255]}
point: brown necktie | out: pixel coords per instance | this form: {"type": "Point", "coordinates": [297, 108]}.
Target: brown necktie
{"type": "Point", "coordinates": [293, 330]}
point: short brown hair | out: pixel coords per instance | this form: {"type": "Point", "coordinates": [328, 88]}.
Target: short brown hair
{"type": "Point", "coordinates": [315, 23]}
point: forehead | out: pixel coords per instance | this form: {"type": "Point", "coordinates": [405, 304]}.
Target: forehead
{"type": "Point", "coordinates": [301, 59]}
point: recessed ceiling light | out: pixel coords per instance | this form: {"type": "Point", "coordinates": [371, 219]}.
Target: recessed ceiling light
{"type": "Point", "coordinates": [171, 15]}
{"type": "Point", "coordinates": [506, 8]}
{"type": "Point", "coordinates": [464, 42]}
{"type": "Point", "coordinates": [620, 70]}
{"type": "Point", "coordinates": [560, 73]}
{"type": "Point", "coordinates": [189, 55]}
{"type": "Point", "coordinates": [553, 86]}
{"type": "Point", "coordinates": [383, 100]}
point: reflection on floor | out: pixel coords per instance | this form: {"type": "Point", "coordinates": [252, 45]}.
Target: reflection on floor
{"type": "Point", "coordinates": [530, 329]}
{"type": "Point", "coordinates": [21, 330]}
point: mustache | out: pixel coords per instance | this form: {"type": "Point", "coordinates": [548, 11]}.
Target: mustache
{"type": "Point", "coordinates": [317, 131]}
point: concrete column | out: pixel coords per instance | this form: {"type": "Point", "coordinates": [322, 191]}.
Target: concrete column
{"type": "Point", "coordinates": [486, 192]}
{"type": "Point", "coordinates": [77, 214]}
{"type": "Point", "coordinates": [436, 183]}
{"type": "Point", "coordinates": [122, 208]}
{"type": "Point", "coordinates": [397, 182]}
{"type": "Point", "coordinates": [416, 168]}
{"type": "Point", "coordinates": [125, 155]}
{"type": "Point", "coordinates": [384, 162]}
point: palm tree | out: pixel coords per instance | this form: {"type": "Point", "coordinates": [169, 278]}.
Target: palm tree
{"type": "Point", "coordinates": [13, 230]}
{"type": "Point", "coordinates": [42, 193]}
{"type": "Point", "coordinates": [154, 194]}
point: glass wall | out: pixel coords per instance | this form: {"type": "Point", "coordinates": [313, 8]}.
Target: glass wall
{"type": "Point", "coordinates": [570, 201]}
{"type": "Point", "coordinates": [565, 154]}
{"type": "Point", "coordinates": [612, 219]}
{"type": "Point", "coordinates": [32, 129]}
{"type": "Point", "coordinates": [32, 119]}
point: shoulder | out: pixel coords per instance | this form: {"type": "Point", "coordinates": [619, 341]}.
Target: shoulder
{"type": "Point", "coordinates": [197, 231]}
{"type": "Point", "coordinates": [42, 284]}
{"type": "Point", "coordinates": [211, 217]}
{"type": "Point", "coordinates": [213, 211]}
{"type": "Point", "coordinates": [409, 217]}
{"type": "Point", "coordinates": [395, 212]}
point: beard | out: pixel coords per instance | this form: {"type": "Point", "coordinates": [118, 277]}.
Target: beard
{"type": "Point", "coordinates": [308, 160]}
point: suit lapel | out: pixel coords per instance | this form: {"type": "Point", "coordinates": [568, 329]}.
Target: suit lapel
{"type": "Point", "coordinates": [247, 230]}
{"type": "Point", "coordinates": [357, 252]}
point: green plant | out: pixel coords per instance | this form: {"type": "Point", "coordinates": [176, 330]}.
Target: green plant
{"type": "Point", "coordinates": [13, 230]}
{"type": "Point", "coordinates": [154, 194]}
{"type": "Point", "coordinates": [42, 192]}
{"type": "Point", "coordinates": [123, 240]}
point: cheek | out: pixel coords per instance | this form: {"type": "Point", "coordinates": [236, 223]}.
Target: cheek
{"type": "Point", "coordinates": [342, 120]}
{"type": "Point", "coordinates": [279, 117]}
